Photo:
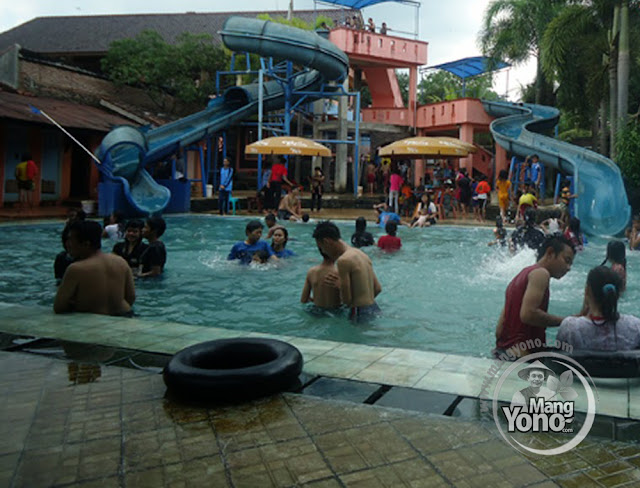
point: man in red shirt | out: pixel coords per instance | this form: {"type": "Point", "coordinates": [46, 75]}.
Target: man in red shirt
{"type": "Point", "coordinates": [522, 323]}
{"type": "Point", "coordinates": [390, 243]}
{"type": "Point", "coordinates": [274, 185]}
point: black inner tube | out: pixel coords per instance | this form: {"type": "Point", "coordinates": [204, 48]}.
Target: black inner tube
{"type": "Point", "coordinates": [234, 356]}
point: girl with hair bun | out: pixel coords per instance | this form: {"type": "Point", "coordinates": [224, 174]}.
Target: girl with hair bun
{"type": "Point", "coordinates": [602, 328]}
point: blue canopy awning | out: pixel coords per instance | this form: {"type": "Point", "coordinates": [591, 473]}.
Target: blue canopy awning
{"type": "Point", "coordinates": [470, 67]}
{"type": "Point", "coordinates": [358, 4]}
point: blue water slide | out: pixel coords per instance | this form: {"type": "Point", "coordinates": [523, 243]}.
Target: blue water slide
{"type": "Point", "coordinates": [126, 150]}
{"type": "Point", "coordinates": [602, 205]}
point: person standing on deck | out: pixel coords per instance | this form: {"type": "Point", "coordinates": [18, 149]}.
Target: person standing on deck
{"type": "Point", "coordinates": [226, 186]}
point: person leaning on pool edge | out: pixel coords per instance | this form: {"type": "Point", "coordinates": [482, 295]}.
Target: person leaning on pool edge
{"type": "Point", "coordinates": [95, 282]}
{"type": "Point", "coordinates": [524, 316]}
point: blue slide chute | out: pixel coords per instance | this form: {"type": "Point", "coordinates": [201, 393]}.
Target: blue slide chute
{"type": "Point", "coordinates": [602, 205]}
{"type": "Point", "coordinates": [125, 151]}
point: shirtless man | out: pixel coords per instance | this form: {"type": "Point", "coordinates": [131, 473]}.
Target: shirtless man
{"type": "Point", "coordinates": [316, 290]}
{"type": "Point", "coordinates": [290, 207]}
{"type": "Point", "coordinates": [355, 278]}
{"type": "Point", "coordinates": [94, 282]}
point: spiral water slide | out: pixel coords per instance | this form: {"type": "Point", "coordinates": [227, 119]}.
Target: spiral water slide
{"type": "Point", "coordinates": [602, 205]}
{"type": "Point", "coordinates": [126, 150]}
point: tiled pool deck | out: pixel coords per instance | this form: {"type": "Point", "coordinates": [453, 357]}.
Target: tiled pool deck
{"type": "Point", "coordinates": [63, 428]}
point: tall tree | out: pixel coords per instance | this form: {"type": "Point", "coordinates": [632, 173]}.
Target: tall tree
{"type": "Point", "coordinates": [185, 70]}
{"type": "Point", "coordinates": [512, 31]}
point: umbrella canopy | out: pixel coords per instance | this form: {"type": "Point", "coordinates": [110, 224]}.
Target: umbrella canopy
{"type": "Point", "coordinates": [288, 145]}
{"type": "Point", "coordinates": [428, 146]}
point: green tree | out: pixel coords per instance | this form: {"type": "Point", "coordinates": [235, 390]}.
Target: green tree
{"type": "Point", "coordinates": [628, 151]}
{"type": "Point", "coordinates": [583, 49]}
{"type": "Point", "coordinates": [512, 31]}
{"type": "Point", "coordinates": [441, 85]}
{"type": "Point", "coordinates": [185, 70]}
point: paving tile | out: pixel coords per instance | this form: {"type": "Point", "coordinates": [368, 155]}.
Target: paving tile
{"type": "Point", "coordinates": [416, 359]}
{"type": "Point", "coordinates": [390, 374]}
{"type": "Point", "coordinates": [429, 435]}
{"type": "Point", "coordinates": [420, 400]}
{"type": "Point", "coordinates": [356, 449]}
{"type": "Point", "coordinates": [311, 348]}
{"type": "Point", "coordinates": [414, 473]}
{"type": "Point", "coordinates": [332, 416]}
{"type": "Point", "coordinates": [450, 382]}
{"type": "Point", "coordinates": [282, 464]}
{"type": "Point", "coordinates": [337, 367]}
{"type": "Point", "coordinates": [359, 352]}
{"type": "Point", "coordinates": [338, 389]}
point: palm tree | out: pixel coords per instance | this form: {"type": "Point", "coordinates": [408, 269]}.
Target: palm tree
{"type": "Point", "coordinates": [586, 51]}
{"type": "Point", "coordinates": [578, 53]}
{"type": "Point", "coordinates": [513, 31]}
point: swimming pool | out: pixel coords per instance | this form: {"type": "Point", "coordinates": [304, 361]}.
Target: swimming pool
{"type": "Point", "coordinates": [442, 292]}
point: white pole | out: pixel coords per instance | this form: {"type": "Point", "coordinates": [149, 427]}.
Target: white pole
{"type": "Point", "coordinates": [42, 112]}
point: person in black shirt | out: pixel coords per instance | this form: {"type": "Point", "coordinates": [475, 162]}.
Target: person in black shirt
{"type": "Point", "coordinates": [154, 257]}
{"type": "Point", "coordinates": [361, 237]}
{"type": "Point", "coordinates": [132, 248]}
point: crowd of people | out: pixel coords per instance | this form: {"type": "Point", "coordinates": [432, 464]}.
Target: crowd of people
{"type": "Point", "coordinates": [346, 279]}
{"type": "Point", "coordinates": [90, 280]}
{"type": "Point", "coordinates": [356, 22]}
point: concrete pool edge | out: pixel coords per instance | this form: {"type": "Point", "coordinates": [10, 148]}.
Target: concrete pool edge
{"type": "Point", "coordinates": [421, 370]}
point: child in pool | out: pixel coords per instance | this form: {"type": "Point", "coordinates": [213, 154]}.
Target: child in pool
{"type": "Point", "coordinates": [260, 257]}
{"type": "Point", "coordinates": [616, 254]}
{"type": "Point", "coordinates": [500, 233]}
{"type": "Point", "coordinates": [390, 243]}
{"type": "Point", "coordinates": [316, 290]}
{"type": "Point", "coordinates": [361, 237]}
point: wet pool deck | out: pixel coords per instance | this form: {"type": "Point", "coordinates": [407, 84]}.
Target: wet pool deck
{"type": "Point", "coordinates": [74, 424]}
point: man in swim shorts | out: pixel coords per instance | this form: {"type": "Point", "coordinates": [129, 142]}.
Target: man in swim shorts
{"type": "Point", "coordinates": [95, 282]}
{"type": "Point", "coordinates": [244, 250]}
{"type": "Point", "coordinates": [355, 277]}
{"type": "Point", "coordinates": [290, 207]}
{"type": "Point", "coordinates": [524, 316]}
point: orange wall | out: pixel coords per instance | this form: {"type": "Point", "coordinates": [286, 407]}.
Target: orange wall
{"type": "Point", "coordinates": [456, 112]}
{"type": "Point", "coordinates": [389, 51]}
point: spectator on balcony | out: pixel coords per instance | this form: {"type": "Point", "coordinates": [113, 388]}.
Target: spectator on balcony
{"type": "Point", "coordinates": [347, 23]}
{"type": "Point", "coordinates": [371, 26]}
{"type": "Point", "coordinates": [383, 29]}
{"type": "Point", "coordinates": [356, 20]}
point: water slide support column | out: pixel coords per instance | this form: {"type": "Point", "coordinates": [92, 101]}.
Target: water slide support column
{"type": "Point", "coordinates": [260, 117]}
{"type": "Point", "coordinates": [501, 160]}
{"type": "Point", "coordinates": [340, 180]}
{"type": "Point", "coordinates": [466, 135]}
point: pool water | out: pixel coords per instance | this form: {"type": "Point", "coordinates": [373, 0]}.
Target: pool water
{"type": "Point", "coordinates": [443, 291]}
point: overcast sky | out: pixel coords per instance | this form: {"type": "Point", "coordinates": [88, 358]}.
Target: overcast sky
{"type": "Point", "coordinates": [450, 27]}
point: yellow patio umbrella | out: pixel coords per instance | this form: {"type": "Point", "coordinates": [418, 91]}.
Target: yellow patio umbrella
{"type": "Point", "coordinates": [469, 147]}
{"type": "Point", "coordinates": [287, 145]}
{"type": "Point", "coordinates": [416, 147]}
